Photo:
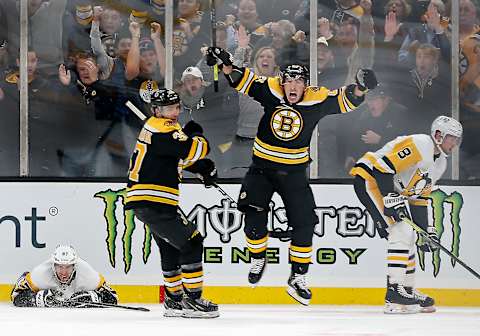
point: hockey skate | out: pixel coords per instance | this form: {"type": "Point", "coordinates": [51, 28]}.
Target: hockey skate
{"type": "Point", "coordinates": [173, 308]}
{"type": "Point", "coordinates": [256, 270]}
{"type": "Point", "coordinates": [297, 288]}
{"type": "Point", "coordinates": [399, 301]}
{"type": "Point", "coordinates": [427, 304]}
{"type": "Point", "coordinates": [198, 308]}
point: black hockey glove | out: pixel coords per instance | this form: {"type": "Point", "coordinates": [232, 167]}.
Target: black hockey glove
{"type": "Point", "coordinates": [49, 298]}
{"type": "Point", "coordinates": [82, 298]}
{"type": "Point", "coordinates": [396, 206]}
{"type": "Point", "coordinates": [425, 244]}
{"type": "Point", "coordinates": [192, 128]}
{"type": "Point", "coordinates": [366, 79]}
{"type": "Point", "coordinates": [206, 171]}
{"type": "Point", "coordinates": [215, 53]}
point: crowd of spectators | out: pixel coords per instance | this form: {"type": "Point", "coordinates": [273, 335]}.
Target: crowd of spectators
{"type": "Point", "coordinates": [87, 58]}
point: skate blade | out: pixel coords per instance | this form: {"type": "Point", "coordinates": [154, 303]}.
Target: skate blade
{"type": "Point", "coordinates": [199, 314]}
{"type": "Point", "coordinates": [427, 310]}
{"type": "Point", "coordinates": [395, 308]}
{"type": "Point", "coordinates": [293, 293]}
{"type": "Point", "coordinates": [173, 313]}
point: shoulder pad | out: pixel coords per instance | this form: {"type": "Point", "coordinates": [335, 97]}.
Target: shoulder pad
{"type": "Point", "coordinates": [275, 87]}
{"type": "Point", "coordinates": [315, 95]}
{"type": "Point", "coordinates": [161, 125]}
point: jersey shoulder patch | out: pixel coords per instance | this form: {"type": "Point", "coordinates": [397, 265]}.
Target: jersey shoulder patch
{"type": "Point", "coordinates": [161, 125]}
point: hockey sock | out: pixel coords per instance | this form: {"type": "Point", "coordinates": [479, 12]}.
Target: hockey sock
{"type": "Point", "coordinates": [173, 283]}
{"type": "Point", "coordinates": [257, 247]}
{"type": "Point", "coordinates": [300, 257]}
{"type": "Point", "coordinates": [192, 275]}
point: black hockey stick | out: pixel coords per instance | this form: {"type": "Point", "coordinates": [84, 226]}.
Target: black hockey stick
{"type": "Point", "coordinates": [213, 19]}
{"type": "Point", "coordinates": [425, 235]}
{"type": "Point", "coordinates": [110, 305]}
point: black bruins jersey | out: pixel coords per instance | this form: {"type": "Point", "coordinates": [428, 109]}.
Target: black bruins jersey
{"type": "Point", "coordinates": [161, 152]}
{"type": "Point", "coordinates": [285, 130]}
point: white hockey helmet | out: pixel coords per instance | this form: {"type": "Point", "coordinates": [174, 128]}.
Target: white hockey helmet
{"type": "Point", "coordinates": [446, 126]}
{"type": "Point", "coordinates": [64, 255]}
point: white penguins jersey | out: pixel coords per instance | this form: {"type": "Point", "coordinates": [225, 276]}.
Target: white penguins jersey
{"type": "Point", "coordinates": [412, 160]}
{"type": "Point", "coordinates": [43, 277]}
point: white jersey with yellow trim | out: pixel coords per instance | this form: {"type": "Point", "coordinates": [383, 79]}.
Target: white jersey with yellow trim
{"type": "Point", "coordinates": [411, 159]}
{"type": "Point", "coordinates": [85, 279]}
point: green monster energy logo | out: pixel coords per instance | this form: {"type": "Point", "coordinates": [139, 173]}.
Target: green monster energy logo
{"type": "Point", "coordinates": [110, 199]}
{"type": "Point", "coordinates": [440, 200]}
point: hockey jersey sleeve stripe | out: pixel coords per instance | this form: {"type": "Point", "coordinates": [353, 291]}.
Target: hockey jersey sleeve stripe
{"type": "Point", "coordinates": [198, 150]}
{"type": "Point", "coordinates": [380, 165]}
{"type": "Point", "coordinates": [155, 199]}
{"type": "Point", "coordinates": [247, 77]}
{"type": "Point", "coordinates": [28, 277]}
{"type": "Point", "coordinates": [154, 187]}
{"type": "Point", "coordinates": [101, 281]}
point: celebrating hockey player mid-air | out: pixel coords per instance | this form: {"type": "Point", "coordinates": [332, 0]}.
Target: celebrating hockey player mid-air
{"type": "Point", "coordinates": [64, 280]}
{"type": "Point", "coordinates": [281, 155]}
{"type": "Point", "coordinates": [163, 149]}
{"type": "Point", "coordinates": [393, 183]}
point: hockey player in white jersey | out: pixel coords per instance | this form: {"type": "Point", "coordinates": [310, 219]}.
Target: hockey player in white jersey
{"type": "Point", "coordinates": [64, 280]}
{"type": "Point", "coordinates": [394, 182]}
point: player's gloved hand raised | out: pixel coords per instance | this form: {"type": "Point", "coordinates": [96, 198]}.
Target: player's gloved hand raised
{"type": "Point", "coordinates": [396, 206]}
{"type": "Point", "coordinates": [192, 128]}
{"type": "Point", "coordinates": [215, 53]}
{"type": "Point", "coordinates": [428, 245]}
{"type": "Point", "coordinates": [83, 297]}
{"type": "Point", "coordinates": [207, 172]}
{"type": "Point", "coordinates": [366, 79]}
{"type": "Point", "coordinates": [49, 298]}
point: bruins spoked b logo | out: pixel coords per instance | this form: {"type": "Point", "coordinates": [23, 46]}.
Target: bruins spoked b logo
{"type": "Point", "coordinates": [286, 123]}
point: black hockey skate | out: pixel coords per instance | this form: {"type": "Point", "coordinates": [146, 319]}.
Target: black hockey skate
{"type": "Point", "coordinates": [427, 304]}
{"type": "Point", "coordinates": [199, 308]}
{"type": "Point", "coordinates": [399, 301]}
{"type": "Point", "coordinates": [173, 306]}
{"type": "Point", "coordinates": [297, 288]}
{"type": "Point", "coordinates": [256, 270]}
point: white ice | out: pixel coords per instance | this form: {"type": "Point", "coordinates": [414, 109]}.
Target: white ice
{"type": "Point", "coordinates": [238, 320]}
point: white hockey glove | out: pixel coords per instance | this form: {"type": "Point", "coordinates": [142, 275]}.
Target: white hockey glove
{"type": "Point", "coordinates": [427, 245]}
{"type": "Point", "coordinates": [396, 206]}
{"type": "Point", "coordinates": [49, 298]}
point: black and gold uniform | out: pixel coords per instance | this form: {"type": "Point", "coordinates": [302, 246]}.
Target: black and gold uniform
{"type": "Point", "coordinates": [280, 158]}
{"type": "Point", "coordinates": [162, 151]}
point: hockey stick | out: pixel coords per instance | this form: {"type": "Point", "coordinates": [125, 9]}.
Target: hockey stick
{"type": "Point", "coordinates": [213, 18]}
{"type": "Point", "coordinates": [136, 110]}
{"type": "Point", "coordinates": [425, 235]}
{"type": "Point", "coordinates": [110, 305]}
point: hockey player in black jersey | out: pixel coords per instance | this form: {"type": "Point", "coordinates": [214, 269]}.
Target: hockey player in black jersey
{"type": "Point", "coordinates": [163, 149]}
{"type": "Point", "coordinates": [281, 155]}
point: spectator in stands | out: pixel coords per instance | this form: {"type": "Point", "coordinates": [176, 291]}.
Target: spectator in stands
{"type": "Point", "coordinates": [275, 10]}
{"type": "Point", "coordinates": [248, 18]}
{"type": "Point", "coordinates": [326, 73]}
{"type": "Point", "coordinates": [145, 66]}
{"type": "Point", "coordinates": [431, 32]}
{"type": "Point", "coordinates": [390, 36]}
{"type": "Point", "coordinates": [424, 90]}
{"type": "Point", "coordinates": [111, 22]}
{"type": "Point", "coordinates": [468, 23]}
{"type": "Point", "coordinates": [374, 124]}
{"type": "Point", "coordinates": [217, 112]}
{"type": "Point", "coordinates": [302, 16]}
{"type": "Point", "coordinates": [76, 28]}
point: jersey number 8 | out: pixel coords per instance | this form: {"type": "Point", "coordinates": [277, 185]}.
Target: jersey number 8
{"type": "Point", "coordinates": [404, 153]}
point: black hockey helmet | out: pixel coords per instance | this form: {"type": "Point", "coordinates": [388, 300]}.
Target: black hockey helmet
{"type": "Point", "coordinates": [164, 97]}
{"type": "Point", "coordinates": [296, 71]}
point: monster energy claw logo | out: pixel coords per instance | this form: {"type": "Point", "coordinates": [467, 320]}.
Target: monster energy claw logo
{"type": "Point", "coordinates": [441, 200]}
{"type": "Point", "coordinates": [110, 198]}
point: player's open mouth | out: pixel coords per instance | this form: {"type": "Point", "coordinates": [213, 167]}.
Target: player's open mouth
{"type": "Point", "coordinates": [293, 95]}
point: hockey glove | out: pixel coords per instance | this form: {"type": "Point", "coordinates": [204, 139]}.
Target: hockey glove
{"type": "Point", "coordinates": [427, 245]}
{"type": "Point", "coordinates": [366, 79]}
{"type": "Point", "coordinates": [396, 206]}
{"type": "Point", "coordinates": [82, 298]}
{"type": "Point", "coordinates": [49, 298]}
{"type": "Point", "coordinates": [192, 129]}
{"type": "Point", "coordinates": [214, 54]}
{"type": "Point", "coordinates": [206, 171]}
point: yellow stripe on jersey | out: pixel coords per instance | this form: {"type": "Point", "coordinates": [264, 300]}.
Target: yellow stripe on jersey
{"type": "Point", "coordinates": [197, 151]}
{"type": "Point", "coordinates": [30, 283]}
{"type": "Point", "coordinates": [314, 95]}
{"type": "Point", "coordinates": [283, 155]}
{"type": "Point", "coordinates": [152, 193]}
{"type": "Point", "coordinates": [343, 102]}
{"type": "Point", "coordinates": [404, 155]}
{"type": "Point", "coordinates": [246, 81]}
{"type": "Point", "coordinates": [373, 160]}
{"type": "Point", "coordinates": [361, 172]}
{"type": "Point", "coordinates": [101, 282]}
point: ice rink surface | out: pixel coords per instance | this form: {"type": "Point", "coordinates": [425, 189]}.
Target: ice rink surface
{"type": "Point", "coordinates": [235, 320]}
